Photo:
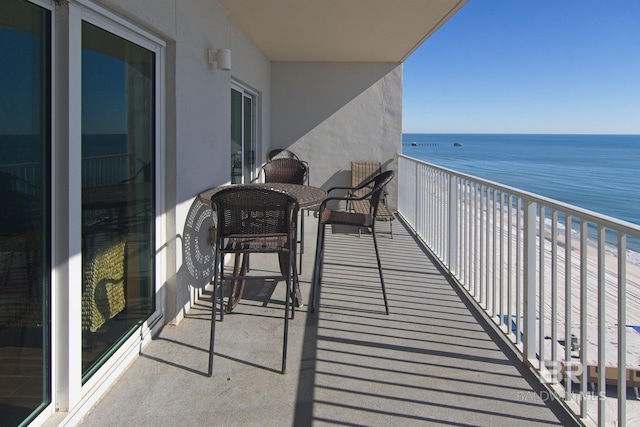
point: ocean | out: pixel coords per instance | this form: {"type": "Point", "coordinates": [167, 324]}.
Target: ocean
{"type": "Point", "coordinates": [28, 148]}
{"type": "Point", "coordinates": [596, 172]}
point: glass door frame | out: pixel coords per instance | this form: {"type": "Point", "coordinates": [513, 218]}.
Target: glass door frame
{"type": "Point", "coordinates": [250, 148]}
{"type": "Point", "coordinates": [69, 391]}
{"type": "Point", "coordinates": [34, 252]}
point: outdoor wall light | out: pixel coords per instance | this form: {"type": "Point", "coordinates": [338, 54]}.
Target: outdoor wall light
{"type": "Point", "coordinates": [222, 57]}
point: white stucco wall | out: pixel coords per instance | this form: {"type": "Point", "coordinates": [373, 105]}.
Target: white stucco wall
{"type": "Point", "coordinates": [332, 113]}
{"type": "Point", "coordinates": [203, 126]}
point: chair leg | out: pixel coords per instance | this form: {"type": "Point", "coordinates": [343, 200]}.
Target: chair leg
{"type": "Point", "coordinates": [301, 241]}
{"type": "Point", "coordinates": [221, 284]}
{"type": "Point", "coordinates": [293, 289]}
{"type": "Point", "coordinates": [317, 266]}
{"type": "Point", "coordinates": [212, 338]}
{"type": "Point", "coordinates": [221, 298]}
{"type": "Point", "coordinates": [289, 295]}
{"type": "Point", "coordinates": [297, 299]}
{"type": "Point", "coordinates": [384, 292]}
{"type": "Point", "coordinates": [321, 263]}
{"type": "Point", "coordinates": [298, 294]}
{"type": "Point", "coordinates": [214, 303]}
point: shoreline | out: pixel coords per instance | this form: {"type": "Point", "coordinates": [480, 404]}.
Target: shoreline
{"type": "Point", "coordinates": [507, 277]}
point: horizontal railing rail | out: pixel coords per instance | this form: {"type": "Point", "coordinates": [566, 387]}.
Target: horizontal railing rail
{"type": "Point", "coordinates": [96, 171]}
{"type": "Point", "coordinates": [561, 282]}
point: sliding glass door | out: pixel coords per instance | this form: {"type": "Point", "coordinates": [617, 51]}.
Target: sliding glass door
{"type": "Point", "coordinates": [25, 146]}
{"type": "Point", "coordinates": [118, 175]}
{"type": "Point", "coordinates": [112, 73]}
{"type": "Point", "coordinates": [243, 135]}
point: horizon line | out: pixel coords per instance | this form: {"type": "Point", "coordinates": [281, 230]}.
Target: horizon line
{"type": "Point", "coordinates": [520, 133]}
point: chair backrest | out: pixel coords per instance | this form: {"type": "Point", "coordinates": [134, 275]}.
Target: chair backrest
{"type": "Point", "coordinates": [286, 170]}
{"type": "Point", "coordinates": [363, 172]}
{"type": "Point", "coordinates": [379, 182]}
{"type": "Point", "coordinates": [280, 153]}
{"type": "Point", "coordinates": [253, 211]}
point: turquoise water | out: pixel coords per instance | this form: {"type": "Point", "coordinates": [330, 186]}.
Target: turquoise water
{"type": "Point", "coordinates": [600, 173]}
{"type": "Point", "coordinates": [596, 172]}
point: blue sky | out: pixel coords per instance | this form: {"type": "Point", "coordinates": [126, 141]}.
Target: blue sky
{"type": "Point", "coordinates": [528, 66]}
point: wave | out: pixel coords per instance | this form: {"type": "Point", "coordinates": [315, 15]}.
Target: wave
{"type": "Point", "coordinates": [632, 255]}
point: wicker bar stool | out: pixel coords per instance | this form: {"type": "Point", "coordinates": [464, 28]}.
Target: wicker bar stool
{"type": "Point", "coordinates": [253, 219]}
{"type": "Point", "coordinates": [288, 170]}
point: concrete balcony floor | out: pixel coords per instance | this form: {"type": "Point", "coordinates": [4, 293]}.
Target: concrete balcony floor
{"type": "Point", "coordinates": [434, 360]}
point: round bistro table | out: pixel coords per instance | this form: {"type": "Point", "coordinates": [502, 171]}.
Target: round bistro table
{"type": "Point", "coordinates": [306, 195]}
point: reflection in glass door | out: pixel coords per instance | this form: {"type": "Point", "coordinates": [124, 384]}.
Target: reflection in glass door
{"type": "Point", "coordinates": [243, 136]}
{"type": "Point", "coordinates": [25, 141]}
{"type": "Point", "coordinates": [118, 122]}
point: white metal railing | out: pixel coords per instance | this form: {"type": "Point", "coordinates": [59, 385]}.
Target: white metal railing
{"type": "Point", "coordinates": [547, 273]}
{"type": "Point", "coordinates": [96, 171]}
{"type": "Point", "coordinates": [105, 170]}
{"type": "Point", "coordinates": [24, 177]}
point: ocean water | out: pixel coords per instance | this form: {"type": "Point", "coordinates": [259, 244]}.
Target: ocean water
{"type": "Point", "coordinates": [600, 173]}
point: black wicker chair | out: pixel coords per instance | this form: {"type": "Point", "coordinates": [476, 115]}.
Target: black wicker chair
{"type": "Point", "coordinates": [362, 172]}
{"type": "Point", "coordinates": [253, 219]}
{"type": "Point", "coordinates": [292, 171]}
{"type": "Point", "coordinates": [336, 217]}
{"type": "Point", "coordinates": [280, 153]}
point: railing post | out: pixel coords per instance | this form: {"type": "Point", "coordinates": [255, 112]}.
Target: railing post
{"type": "Point", "coordinates": [453, 224]}
{"type": "Point", "coordinates": [529, 314]}
{"type": "Point", "coordinates": [622, 330]}
{"type": "Point", "coordinates": [416, 200]}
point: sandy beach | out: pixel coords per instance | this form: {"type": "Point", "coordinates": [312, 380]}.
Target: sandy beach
{"type": "Point", "coordinates": [611, 287]}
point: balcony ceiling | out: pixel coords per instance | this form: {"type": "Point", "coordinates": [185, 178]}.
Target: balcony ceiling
{"type": "Point", "coordinates": [340, 30]}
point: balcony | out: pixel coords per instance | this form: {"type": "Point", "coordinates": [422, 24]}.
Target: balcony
{"type": "Point", "coordinates": [432, 360]}
{"type": "Point", "coordinates": [462, 345]}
